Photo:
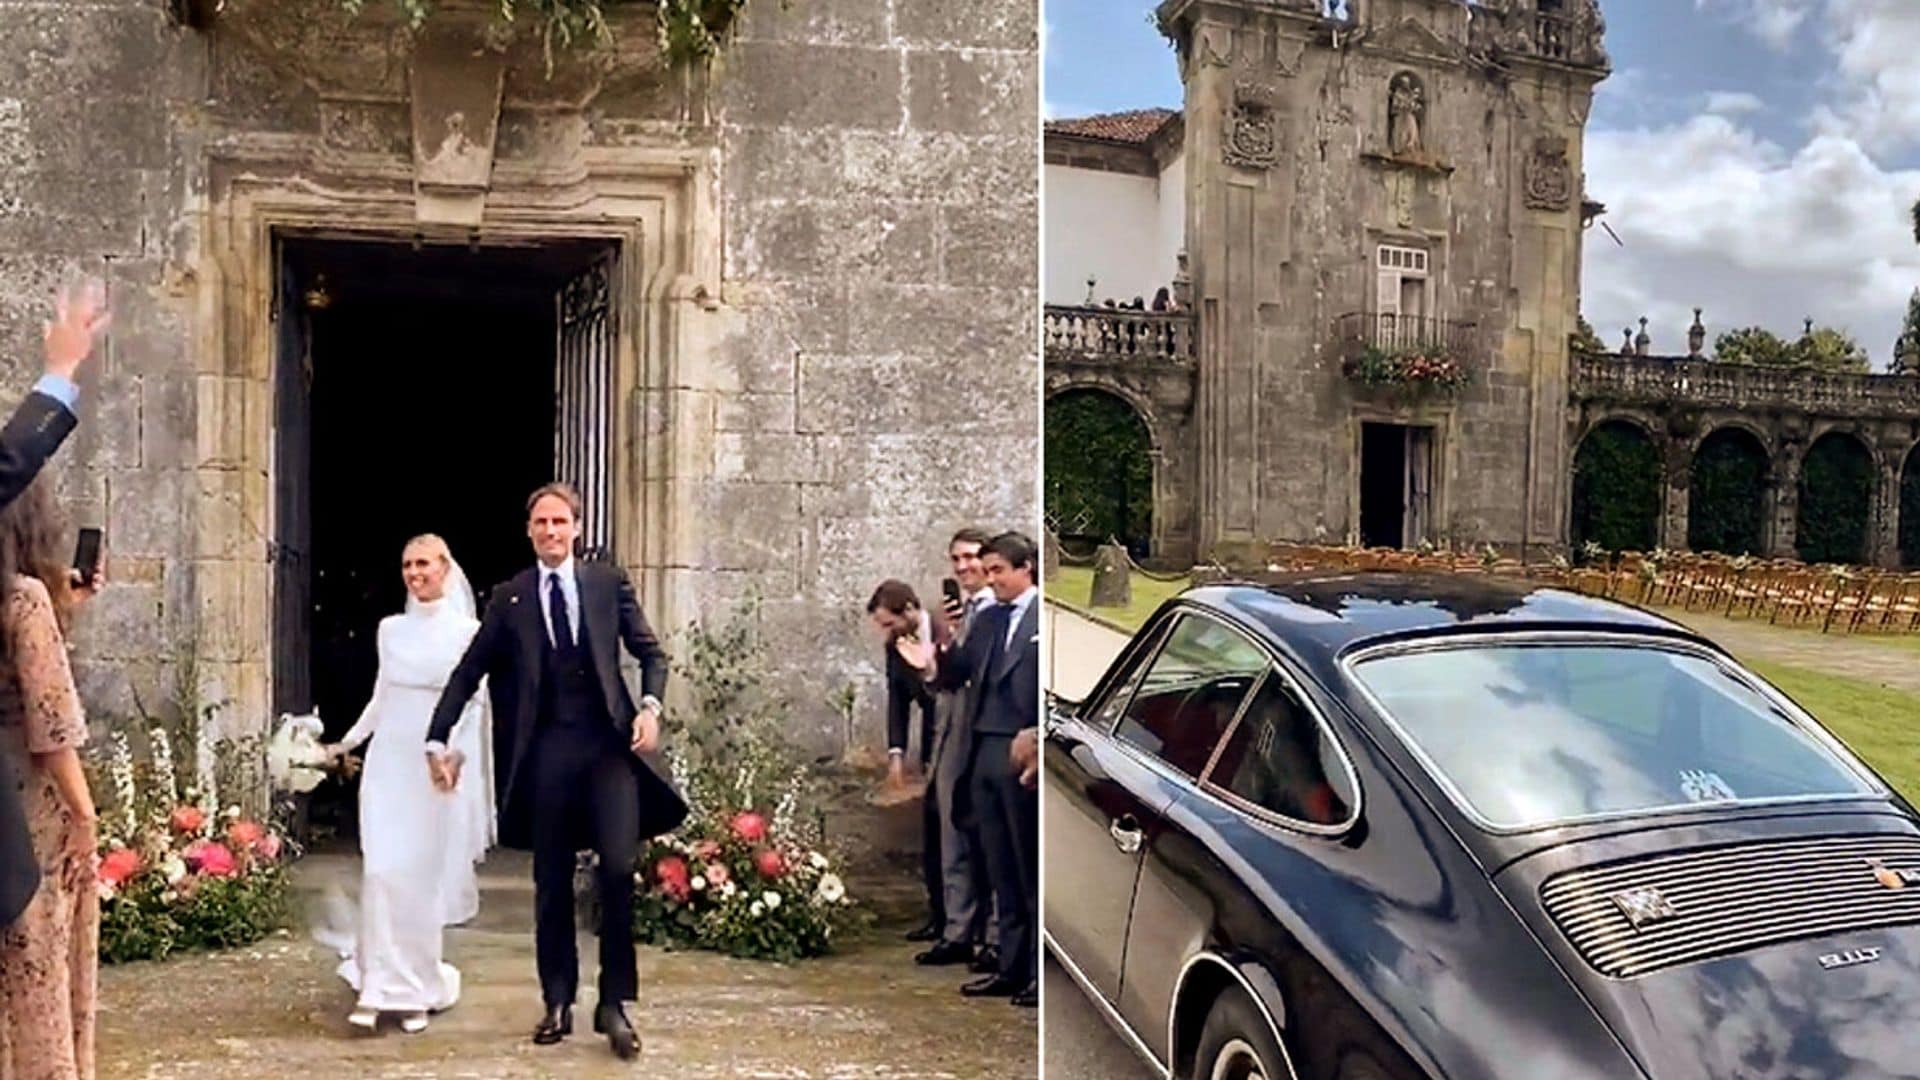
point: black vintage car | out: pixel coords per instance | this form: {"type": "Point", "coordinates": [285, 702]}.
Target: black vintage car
{"type": "Point", "coordinates": [1453, 826]}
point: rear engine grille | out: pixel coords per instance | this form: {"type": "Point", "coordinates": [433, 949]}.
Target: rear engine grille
{"type": "Point", "coordinates": [1700, 904]}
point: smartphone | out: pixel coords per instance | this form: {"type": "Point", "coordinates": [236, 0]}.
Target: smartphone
{"type": "Point", "coordinates": [951, 590]}
{"type": "Point", "coordinates": [86, 554]}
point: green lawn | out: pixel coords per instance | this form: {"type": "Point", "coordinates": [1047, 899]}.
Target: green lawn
{"type": "Point", "coordinates": [1879, 724]}
{"type": "Point", "coordinates": [1074, 585]}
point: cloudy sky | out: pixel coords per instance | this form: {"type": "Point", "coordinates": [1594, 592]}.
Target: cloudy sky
{"type": "Point", "coordinates": [1758, 158]}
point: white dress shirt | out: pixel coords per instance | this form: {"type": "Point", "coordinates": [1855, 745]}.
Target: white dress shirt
{"type": "Point", "coordinates": [1019, 605]}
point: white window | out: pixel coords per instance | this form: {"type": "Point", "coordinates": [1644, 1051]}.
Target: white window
{"type": "Point", "coordinates": [1402, 299]}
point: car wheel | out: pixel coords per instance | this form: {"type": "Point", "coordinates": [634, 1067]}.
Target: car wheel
{"type": "Point", "coordinates": [1237, 1044]}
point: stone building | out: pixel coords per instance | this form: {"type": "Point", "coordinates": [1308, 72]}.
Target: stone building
{"type": "Point", "coordinates": [1364, 183]}
{"type": "Point", "coordinates": [771, 315]}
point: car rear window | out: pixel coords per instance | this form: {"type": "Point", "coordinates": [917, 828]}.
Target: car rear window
{"type": "Point", "coordinates": [1531, 734]}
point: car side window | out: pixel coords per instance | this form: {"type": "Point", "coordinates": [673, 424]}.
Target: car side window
{"type": "Point", "coordinates": [1115, 706]}
{"type": "Point", "coordinates": [1279, 758]}
{"type": "Point", "coordinates": [1190, 693]}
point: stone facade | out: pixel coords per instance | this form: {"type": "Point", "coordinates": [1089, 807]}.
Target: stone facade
{"type": "Point", "coordinates": [1312, 146]}
{"type": "Point", "coordinates": [845, 201]}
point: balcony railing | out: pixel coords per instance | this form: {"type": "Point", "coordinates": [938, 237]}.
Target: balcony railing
{"type": "Point", "coordinates": [1112, 334]}
{"type": "Point", "coordinates": [1659, 380]}
{"type": "Point", "coordinates": [1355, 332]}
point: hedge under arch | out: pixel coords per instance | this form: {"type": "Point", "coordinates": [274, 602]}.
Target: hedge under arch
{"type": "Point", "coordinates": [1836, 500]}
{"type": "Point", "coordinates": [1727, 496]}
{"type": "Point", "coordinates": [1616, 488]}
{"type": "Point", "coordinates": [1099, 469]}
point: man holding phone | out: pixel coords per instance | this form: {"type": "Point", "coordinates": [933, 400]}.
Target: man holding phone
{"type": "Point", "coordinates": [968, 934]}
{"type": "Point", "coordinates": [38, 427]}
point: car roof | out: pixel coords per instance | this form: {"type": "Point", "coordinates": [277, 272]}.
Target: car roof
{"type": "Point", "coordinates": [1318, 616]}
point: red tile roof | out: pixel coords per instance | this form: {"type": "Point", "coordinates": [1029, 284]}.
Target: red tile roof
{"type": "Point", "coordinates": [1139, 126]}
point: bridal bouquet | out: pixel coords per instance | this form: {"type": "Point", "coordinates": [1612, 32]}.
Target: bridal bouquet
{"type": "Point", "coordinates": [175, 875]}
{"type": "Point", "coordinates": [741, 882]}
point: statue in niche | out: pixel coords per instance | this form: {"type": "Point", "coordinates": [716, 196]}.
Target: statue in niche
{"type": "Point", "coordinates": [1406, 110]}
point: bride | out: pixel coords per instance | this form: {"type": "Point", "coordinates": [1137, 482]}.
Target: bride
{"type": "Point", "coordinates": [418, 844]}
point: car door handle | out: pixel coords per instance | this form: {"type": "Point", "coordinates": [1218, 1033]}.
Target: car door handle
{"type": "Point", "coordinates": [1126, 834]}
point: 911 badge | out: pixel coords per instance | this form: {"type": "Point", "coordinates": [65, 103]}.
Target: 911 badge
{"type": "Point", "coordinates": [1849, 958]}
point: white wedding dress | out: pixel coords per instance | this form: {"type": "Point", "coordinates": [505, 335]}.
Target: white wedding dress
{"type": "Point", "coordinates": [419, 845]}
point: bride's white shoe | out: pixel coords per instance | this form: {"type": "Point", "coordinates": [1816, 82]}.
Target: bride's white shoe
{"type": "Point", "coordinates": [414, 1023]}
{"type": "Point", "coordinates": [364, 1019]}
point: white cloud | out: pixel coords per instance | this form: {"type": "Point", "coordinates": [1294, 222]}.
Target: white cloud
{"type": "Point", "coordinates": [1734, 103]}
{"type": "Point", "coordinates": [1714, 215]}
{"type": "Point", "coordinates": [1775, 22]}
{"type": "Point", "coordinates": [1876, 84]}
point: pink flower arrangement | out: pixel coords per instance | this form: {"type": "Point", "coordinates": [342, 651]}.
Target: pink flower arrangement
{"type": "Point", "coordinates": [188, 819]}
{"type": "Point", "coordinates": [750, 826]}
{"type": "Point", "coordinates": [210, 857]}
{"type": "Point", "coordinates": [770, 863]}
{"type": "Point", "coordinates": [118, 865]}
{"type": "Point", "coordinates": [244, 834]}
{"type": "Point", "coordinates": [717, 874]}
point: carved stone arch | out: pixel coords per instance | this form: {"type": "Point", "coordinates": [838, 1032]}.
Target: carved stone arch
{"type": "Point", "coordinates": [1157, 435]}
{"type": "Point", "coordinates": [1648, 426]}
{"type": "Point", "coordinates": [1732, 490]}
{"type": "Point", "coordinates": [1112, 500]}
{"type": "Point", "coordinates": [1839, 518]}
{"type": "Point", "coordinates": [1617, 492]}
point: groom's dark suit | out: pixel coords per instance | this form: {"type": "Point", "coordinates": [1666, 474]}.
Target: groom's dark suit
{"type": "Point", "coordinates": [568, 778]}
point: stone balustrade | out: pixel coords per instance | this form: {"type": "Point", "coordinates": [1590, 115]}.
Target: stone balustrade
{"type": "Point", "coordinates": [1113, 335]}
{"type": "Point", "coordinates": [1653, 380]}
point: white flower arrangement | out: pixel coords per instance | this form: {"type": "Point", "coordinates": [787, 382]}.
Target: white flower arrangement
{"type": "Point", "coordinates": [771, 899]}
{"type": "Point", "coordinates": [756, 909]}
{"type": "Point", "coordinates": [295, 759]}
{"type": "Point", "coordinates": [832, 890]}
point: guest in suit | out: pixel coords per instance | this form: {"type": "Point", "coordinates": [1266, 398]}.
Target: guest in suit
{"type": "Point", "coordinates": [38, 427]}
{"type": "Point", "coordinates": [909, 631]}
{"type": "Point", "coordinates": [969, 935]}
{"type": "Point", "coordinates": [1001, 662]}
{"type": "Point", "coordinates": [576, 761]}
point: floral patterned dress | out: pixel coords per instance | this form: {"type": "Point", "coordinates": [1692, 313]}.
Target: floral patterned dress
{"type": "Point", "coordinates": [49, 957]}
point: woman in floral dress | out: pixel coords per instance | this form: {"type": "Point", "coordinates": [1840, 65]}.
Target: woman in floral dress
{"type": "Point", "coordinates": [49, 956]}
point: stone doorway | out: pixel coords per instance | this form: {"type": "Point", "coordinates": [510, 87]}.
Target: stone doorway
{"type": "Point", "coordinates": [1396, 484]}
{"type": "Point", "coordinates": [422, 387]}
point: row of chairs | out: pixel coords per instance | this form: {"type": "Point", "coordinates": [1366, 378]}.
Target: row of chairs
{"type": "Point", "coordinates": [1782, 591]}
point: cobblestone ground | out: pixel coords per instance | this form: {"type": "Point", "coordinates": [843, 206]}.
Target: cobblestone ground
{"type": "Point", "coordinates": [277, 1010]}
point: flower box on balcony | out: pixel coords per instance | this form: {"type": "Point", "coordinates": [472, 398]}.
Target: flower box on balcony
{"type": "Point", "coordinates": [1413, 372]}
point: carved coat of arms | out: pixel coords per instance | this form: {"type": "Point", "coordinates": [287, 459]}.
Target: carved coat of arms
{"type": "Point", "coordinates": [1548, 175]}
{"type": "Point", "coordinates": [1253, 139]}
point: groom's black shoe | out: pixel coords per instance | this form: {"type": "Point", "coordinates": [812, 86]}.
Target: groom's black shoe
{"type": "Point", "coordinates": [929, 932]}
{"type": "Point", "coordinates": [610, 1019]}
{"type": "Point", "coordinates": [992, 986]}
{"type": "Point", "coordinates": [987, 962]}
{"type": "Point", "coordinates": [947, 952]}
{"type": "Point", "coordinates": [556, 1025]}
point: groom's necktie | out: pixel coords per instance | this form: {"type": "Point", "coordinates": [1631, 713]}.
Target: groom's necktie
{"type": "Point", "coordinates": [557, 611]}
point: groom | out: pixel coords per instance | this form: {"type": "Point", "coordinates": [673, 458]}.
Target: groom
{"type": "Point", "coordinates": [573, 773]}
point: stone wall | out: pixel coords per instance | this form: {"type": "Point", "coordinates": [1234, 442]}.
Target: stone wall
{"type": "Point", "coordinates": [1295, 179]}
{"type": "Point", "coordinates": [832, 366]}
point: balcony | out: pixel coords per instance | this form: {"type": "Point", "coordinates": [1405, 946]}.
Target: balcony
{"type": "Point", "coordinates": [1112, 335]}
{"type": "Point", "coordinates": [1356, 332]}
{"type": "Point", "coordinates": [1572, 37]}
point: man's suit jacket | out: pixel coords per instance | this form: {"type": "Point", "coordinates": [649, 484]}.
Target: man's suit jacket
{"type": "Point", "coordinates": [37, 429]}
{"type": "Point", "coordinates": [1006, 695]}
{"type": "Point", "coordinates": [508, 648]}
